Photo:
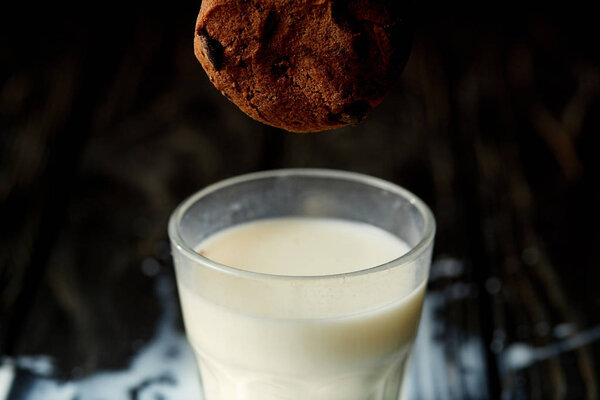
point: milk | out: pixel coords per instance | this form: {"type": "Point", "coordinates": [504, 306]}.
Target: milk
{"type": "Point", "coordinates": [256, 356]}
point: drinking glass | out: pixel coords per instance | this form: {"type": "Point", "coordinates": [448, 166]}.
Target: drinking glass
{"type": "Point", "coordinates": [261, 336]}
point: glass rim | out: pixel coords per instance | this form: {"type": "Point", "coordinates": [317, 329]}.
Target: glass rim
{"type": "Point", "coordinates": [406, 258]}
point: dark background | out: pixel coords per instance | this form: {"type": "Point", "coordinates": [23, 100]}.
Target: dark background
{"type": "Point", "coordinates": [107, 122]}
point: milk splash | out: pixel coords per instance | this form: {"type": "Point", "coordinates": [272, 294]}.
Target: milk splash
{"type": "Point", "coordinates": [163, 369]}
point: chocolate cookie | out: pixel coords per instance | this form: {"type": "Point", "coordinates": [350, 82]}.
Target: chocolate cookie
{"type": "Point", "coordinates": [303, 65]}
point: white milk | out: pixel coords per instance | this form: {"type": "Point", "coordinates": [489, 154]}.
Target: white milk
{"type": "Point", "coordinates": [349, 357]}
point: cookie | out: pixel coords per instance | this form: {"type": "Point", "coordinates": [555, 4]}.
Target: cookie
{"type": "Point", "coordinates": [303, 65]}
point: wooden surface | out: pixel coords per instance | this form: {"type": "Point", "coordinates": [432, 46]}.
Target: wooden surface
{"type": "Point", "coordinates": [107, 122]}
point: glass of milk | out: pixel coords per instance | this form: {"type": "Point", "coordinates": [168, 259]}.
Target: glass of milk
{"type": "Point", "coordinates": [302, 284]}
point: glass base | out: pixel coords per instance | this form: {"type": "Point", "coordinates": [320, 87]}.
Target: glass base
{"type": "Point", "coordinates": [224, 382]}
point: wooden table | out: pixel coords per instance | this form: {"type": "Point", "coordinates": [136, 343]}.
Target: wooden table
{"type": "Point", "coordinates": [107, 122]}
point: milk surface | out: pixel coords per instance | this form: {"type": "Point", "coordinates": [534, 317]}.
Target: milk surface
{"type": "Point", "coordinates": [359, 356]}
{"type": "Point", "coordinates": [303, 246]}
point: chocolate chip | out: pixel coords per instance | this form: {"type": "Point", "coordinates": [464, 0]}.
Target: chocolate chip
{"type": "Point", "coordinates": [352, 114]}
{"type": "Point", "coordinates": [361, 45]}
{"type": "Point", "coordinates": [212, 48]}
{"type": "Point", "coordinates": [343, 17]}
{"type": "Point", "coordinates": [280, 66]}
{"type": "Point", "coordinates": [269, 26]}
